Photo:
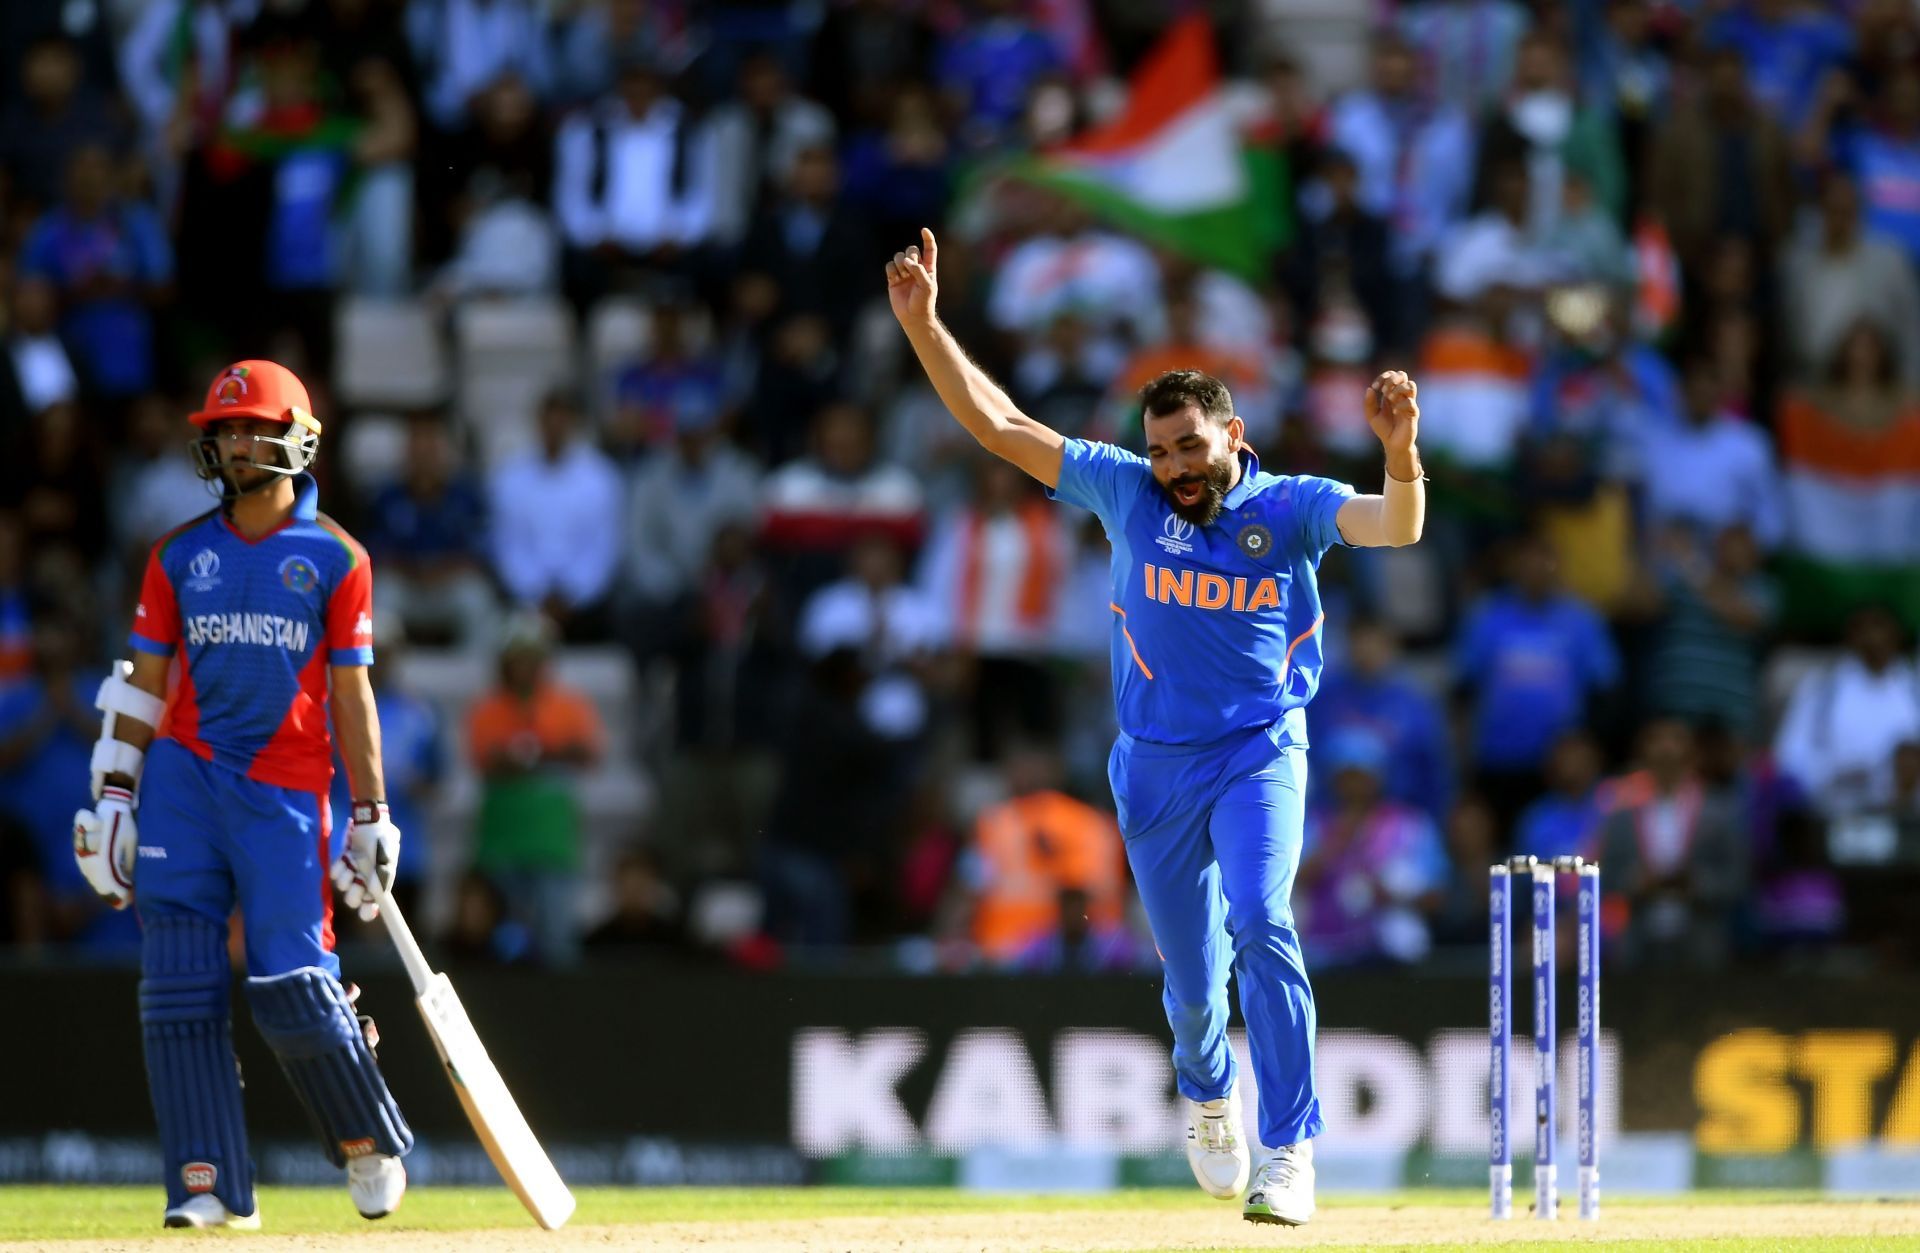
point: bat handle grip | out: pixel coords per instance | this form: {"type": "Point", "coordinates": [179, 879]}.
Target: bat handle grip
{"type": "Point", "coordinates": [410, 955]}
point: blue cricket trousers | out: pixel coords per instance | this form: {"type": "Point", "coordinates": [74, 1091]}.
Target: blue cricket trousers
{"type": "Point", "coordinates": [1213, 835]}
{"type": "Point", "coordinates": [211, 838]}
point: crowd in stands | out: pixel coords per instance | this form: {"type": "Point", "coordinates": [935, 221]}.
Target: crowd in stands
{"type": "Point", "coordinates": [1651, 262]}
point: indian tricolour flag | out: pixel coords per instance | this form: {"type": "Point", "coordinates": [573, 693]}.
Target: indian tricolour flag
{"type": "Point", "coordinates": [1853, 513]}
{"type": "Point", "coordinates": [1173, 167]}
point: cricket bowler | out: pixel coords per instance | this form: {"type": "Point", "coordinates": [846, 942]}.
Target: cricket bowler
{"type": "Point", "coordinates": [1216, 652]}
{"type": "Point", "coordinates": [261, 610]}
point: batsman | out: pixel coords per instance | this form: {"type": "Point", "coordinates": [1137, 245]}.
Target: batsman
{"type": "Point", "coordinates": [254, 620]}
{"type": "Point", "coordinates": [1215, 654]}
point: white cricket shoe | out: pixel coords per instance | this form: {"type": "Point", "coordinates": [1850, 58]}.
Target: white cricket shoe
{"type": "Point", "coordinates": [1217, 1146]}
{"type": "Point", "coordinates": [1282, 1190]}
{"type": "Point", "coordinates": [376, 1183]}
{"type": "Point", "coordinates": [207, 1210]}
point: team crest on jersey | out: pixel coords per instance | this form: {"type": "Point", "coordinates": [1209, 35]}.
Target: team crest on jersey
{"type": "Point", "coordinates": [298, 575]}
{"type": "Point", "coordinates": [233, 386]}
{"type": "Point", "coordinates": [199, 1176]}
{"type": "Point", "coordinates": [204, 570]}
{"type": "Point", "coordinates": [1256, 541]}
{"type": "Point", "coordinates": [1176, 534]}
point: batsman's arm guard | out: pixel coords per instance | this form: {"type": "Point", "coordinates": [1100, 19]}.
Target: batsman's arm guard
{"type": "Point", "coordinates": [118, 698]}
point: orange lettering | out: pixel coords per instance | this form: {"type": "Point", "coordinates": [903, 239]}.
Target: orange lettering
{"type": "Point", "coordinates": [1180, 589]}
{"type": "Point", "coordinates": [1265, 596]}
{"type": "Point", "coordinates": [1152, 570]}
{"type": "Point", "coordinates": [1239, 595]}
{"type": "Point", "coordinates": [1213, 592]}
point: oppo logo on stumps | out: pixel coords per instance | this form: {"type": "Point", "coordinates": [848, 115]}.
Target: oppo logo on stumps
{"type": "Point", "coordinates": [199, 1176]}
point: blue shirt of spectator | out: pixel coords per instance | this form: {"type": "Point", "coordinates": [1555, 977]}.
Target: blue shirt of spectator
{"type": "Point", "coordinates": [1560, 826]}
{"type": "Point", "coordinates": [991, 65]}
{"type": "Point", "coordinates": [1532, 661]}
{"type": "Point", "coordinates": [1369, 694]}
{"type": "Point", "coordinates": [1888, 170]}
{"type": "Point", "coordinates": [414, 759]}
{"type": "Point", "coordinates": [1786, 59]}
{"type": "Point", "coordinates": [413, 528]}
{"type": "Point", "coordinates": [111, 331]}
{"type": "Point", "coordinates": [42, 789]}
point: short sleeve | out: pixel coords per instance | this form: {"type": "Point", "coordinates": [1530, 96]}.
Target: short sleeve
{"type": "Point", "coordinates": [1099, 477]}
{"type": "Point", "coordinates": [156, 619]}
{"type": "Point", "coordinates": [350, 618]}
{"type": "Point", "coordinates": [1316, 506]}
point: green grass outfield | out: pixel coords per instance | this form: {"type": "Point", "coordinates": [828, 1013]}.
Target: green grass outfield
{"type": "Point", "coordinates": [110, 1213]}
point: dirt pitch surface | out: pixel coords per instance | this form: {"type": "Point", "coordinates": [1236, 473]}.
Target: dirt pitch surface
{"type": "Point", "coordinates": [1872, 1224]}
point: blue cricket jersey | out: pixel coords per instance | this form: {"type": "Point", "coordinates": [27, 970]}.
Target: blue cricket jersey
{"type": "Point", "coordinates": [1216, 629]}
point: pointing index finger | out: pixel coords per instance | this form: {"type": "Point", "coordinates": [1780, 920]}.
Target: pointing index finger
{"type": "Point", "coordinates": [928, 249]}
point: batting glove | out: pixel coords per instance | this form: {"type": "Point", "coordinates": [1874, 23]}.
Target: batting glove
{"type": "Point", "coordinates": [104, 843]}
{"type": "Point", "coordinates": [373, 850]}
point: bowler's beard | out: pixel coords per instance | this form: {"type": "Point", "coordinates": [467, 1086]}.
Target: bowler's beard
{"type": "Point", "coordinates": [1204, 511]}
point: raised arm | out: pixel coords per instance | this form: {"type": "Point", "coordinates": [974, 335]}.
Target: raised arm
{"type": "Point", "coordinates": [1398, 514]}
{"type": "Point", "coordinates": [969, 395]}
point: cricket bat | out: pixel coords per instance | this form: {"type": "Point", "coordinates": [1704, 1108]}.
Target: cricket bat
{"type": "Point", "coordinates": [490, 1107]}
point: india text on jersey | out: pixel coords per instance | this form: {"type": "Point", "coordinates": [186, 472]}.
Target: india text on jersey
{"type": "Point", "coordinates": [1211, 591]}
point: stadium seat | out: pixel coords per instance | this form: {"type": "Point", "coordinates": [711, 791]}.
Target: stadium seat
{"type": "Point", "coordinates": [373, 448]}
{"type": "Point", "coordinates": [508, 354]}
{"type": "Point", "coordinates": [390, 355]}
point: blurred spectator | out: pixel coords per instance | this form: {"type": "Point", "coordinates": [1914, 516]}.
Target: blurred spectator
{"type": "Point", "coordinates": [599, 37]}
{"type": "Point", "coordinates": [47, 729]}
{"type": "Point", "coordinates": [821, 503]}
{"type": "Point", "coordinates": [1837, 274]}
{"type": "Point", "coordinates": [1473, 845]}
{"type": "Point", "coordinates": [1069, 264]}
{"type": "Point", "coordinates": [16, 603]}
{"type": "Point", "coordinates": [110, 262]}
{"type": "Point", "coordinates": [58, 113]}
{"type": "Point", "coordinates": [427, 532]}
{"type": "Point", "coordinates": [900, 171]}
{"type": "Point", "coordinates": [992, 574]}
{"type": "Point", "coordinates": [1584, 514]}
{"type": "Point", "coordinates": [1566, 821]}
{"type": "Point", "coordinates": [1466, 48]}
{"type": "Point", "coordinates": [1715, 608]}
{"type": "Point", "coordinates": [530, 737]}
{"type": "Point", "coordinates": [634, 186]}
{"type": "Point", "coordinates": [834, 814]}
{"type": "Point", "coordinates": [501, 166]}
{"type": "Point", "coordinates": [1079, 943]}
{"type": "Point", "coordinates": [867, 53]}
{"type": "Point", "coordinates": [893, 625]}
{"type": "Point", "coordinates": [813, 244]}
{"type": "Point", "coordinates": [987, 66]}
{"type": "Point", "coordinates": [53, 473]}
{"type": "Point", "coordinates": [1027, 852]}
{"type": "Point", "coordinates": [1674, 857]}
{"type": "Point", "coordinates": [35, 371]}
{"type": "Point", "coordinates": [1533, 658]}
{"type": "Point", "coordinates": [1845, 718]}
{"type": "Point", "coordinates": [1064, 378]}
{"type": "Point", "coordinates": [1180, 347]}
{"type": "Point", "coordinates": [646, 909]}
{"type": "Point", "coordinates": [1474, 392]}
{"type": "Point", "coordinates": [1372, 871]}
{"type": "Point", "coordinates": [413, 762]}
{"type": "Point", "coordinates": [87, 29]}
{"type": "Point", "coordinates": [1721, 167]}
{"type": "Point", "coordinates": [1342, 251]}
{"type": "Point", "coordinates": [1415, 157]}
{"type": "Point", "coordinates": [676, 386]}
{"type": "Point", "coordinates": [1493, 251]}
{"type": "Point", "coordinates": [1787, 47]}
{"type": "Point", "coordinates": [1625, 73]}
{"type": "Point", "coordinates": [157, 487]}
{"type": "Point", "coordinates": [681, 495]}
{"type": "Point", "coordinates": [1886, 160]}
{"type": "Point", "coordinates": [23, 892]}
{"type": "Point", "coordinates": [1544, 128]}
{"type": "Point", "coordinates": [482, 931]}
{"type": "Point", "coordinates": [758, 136]}
{"type": "Point", "coordinates": [558, 517]}
{"type": "Point", "coordinates": [463, 45]}
{"type": "Point", "coordinates": [1713, 471]}
{"type": "Point", "coordinates": [1375, 693]}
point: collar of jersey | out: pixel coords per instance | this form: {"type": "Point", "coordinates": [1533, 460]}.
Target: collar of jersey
{"type": "Point", "coordinates": [306, 507]}
{"type": "Point", "coordinates": [1249, 470]}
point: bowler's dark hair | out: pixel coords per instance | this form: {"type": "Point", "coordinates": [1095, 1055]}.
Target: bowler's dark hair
{"type": "Point", "coordinates": [1176, 389]}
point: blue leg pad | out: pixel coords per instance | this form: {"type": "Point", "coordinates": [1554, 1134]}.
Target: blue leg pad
{"type": "Point", "coordinates": [305, 1016]}
{"type": "Point", "coordinates": [191, 1071]}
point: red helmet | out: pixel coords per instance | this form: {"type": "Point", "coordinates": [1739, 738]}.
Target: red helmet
{"type": "Point", "coordinates": [266, 391]}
